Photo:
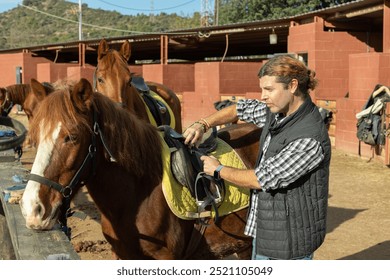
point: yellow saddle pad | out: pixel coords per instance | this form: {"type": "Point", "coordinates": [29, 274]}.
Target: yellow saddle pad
{"type": "Point", "coordinates": [179, 198]}
{"type": "Point", "coordinates": [150, 115]}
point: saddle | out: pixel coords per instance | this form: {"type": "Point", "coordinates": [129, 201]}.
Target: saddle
{"type": "Point", "coordinates": [187, 168]}
{"type": "Point", "coordinates": [157, 108]}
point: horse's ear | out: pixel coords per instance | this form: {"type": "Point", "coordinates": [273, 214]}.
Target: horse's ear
{"type": "Point", "coordinates": [38, 89]}
{"type": "Point", "coordinates": [126, 50]}
{"type": "Point", "coordinates": [82, 94]}
{"type": "Point", "coordinates": [102, 49]}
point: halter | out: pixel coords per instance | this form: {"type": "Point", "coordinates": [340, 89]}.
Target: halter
{"type": "Point", "coordinates": [11, 104]}
{"type": "Point", "coordinates": [66, 191]}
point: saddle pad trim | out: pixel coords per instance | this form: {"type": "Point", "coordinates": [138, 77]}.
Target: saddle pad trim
{"type": "Point", "coordinates": [150, 116]}
{"type": "Point", "coordinates": [179, 198]}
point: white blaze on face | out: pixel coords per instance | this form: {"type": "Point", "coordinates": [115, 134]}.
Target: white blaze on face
{"type": "Point", "coordinates": [32, 208]}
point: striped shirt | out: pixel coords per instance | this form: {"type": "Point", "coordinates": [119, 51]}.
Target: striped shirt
{"type": "Point", "coordinates": [295, 160]}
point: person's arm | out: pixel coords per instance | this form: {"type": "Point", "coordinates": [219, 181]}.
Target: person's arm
{"type": "Point", "coordinates": [245, 178]}
{"type": "Point", "coordinates": [279, 171]}
{"type": "Point", "coordinates": [193, 134]}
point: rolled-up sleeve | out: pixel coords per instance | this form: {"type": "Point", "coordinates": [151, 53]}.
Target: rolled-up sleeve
{"type": "Point", "coordinates": [252, 111]}
{"type": "Point", "coordinates": [295, 160]}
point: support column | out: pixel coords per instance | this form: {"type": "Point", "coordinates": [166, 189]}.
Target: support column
{"type": "Point", "coordinates": [386, 26]}
{"type": "Point", "coordinates": [164, 49]}
{"type": "Point", "coordinates": [81, 54]}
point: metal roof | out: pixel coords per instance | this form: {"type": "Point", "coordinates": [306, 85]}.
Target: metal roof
{"type": "Point", "coordinates": [241, 40]}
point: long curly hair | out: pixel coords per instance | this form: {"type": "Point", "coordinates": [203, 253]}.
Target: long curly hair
{"type": "Point", "coordinates": [286, 68]}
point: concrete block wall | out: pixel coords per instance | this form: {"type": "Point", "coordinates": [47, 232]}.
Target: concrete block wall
{"type": "Point", "coordinates": [239, 77]}
{"type": "Point", "coordinates": [366, 71]}
{"type": "Point", "coordinates": [9, 62]}
{"type": "Point", "coordinates": [50, 72]}
{"type": "Point", "coordinates": [178, 77]}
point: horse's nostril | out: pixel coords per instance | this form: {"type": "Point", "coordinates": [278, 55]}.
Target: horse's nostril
{"type": "Point", "coordinates": [39, 210]}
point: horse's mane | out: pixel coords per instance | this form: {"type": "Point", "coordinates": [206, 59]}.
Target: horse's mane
{"type": "Point", "coordinates": [18, 91]}
{"type": "Point", "coordinates": [135, 144]}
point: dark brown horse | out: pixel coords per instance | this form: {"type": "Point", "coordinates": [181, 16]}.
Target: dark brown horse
{"type": "Point", "coordinates": [114, 79]}
{"type": "Point", "coordinates": [77, 134]}
{"type": "Point", "coordinates": [12, 95]}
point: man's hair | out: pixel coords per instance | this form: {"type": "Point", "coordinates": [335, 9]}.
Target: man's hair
{"type": "Point", "coordinates": [285, 68]}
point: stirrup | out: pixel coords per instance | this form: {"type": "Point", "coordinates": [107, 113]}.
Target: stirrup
{"type": "Point", "coordinates": [216, 197]}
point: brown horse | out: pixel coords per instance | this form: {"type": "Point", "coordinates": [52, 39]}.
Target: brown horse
{"type": "Point", "coordinates": [12, 95]}
{"type": "Point", "coordinates": [114, 79]}
{"type": "Point", "coordinates": [38, 91]}
{"type": "Point", "coordinates": [78, 133]}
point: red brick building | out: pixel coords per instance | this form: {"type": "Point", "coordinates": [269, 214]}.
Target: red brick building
{"type": "Point", "coordinates": [347, 45]}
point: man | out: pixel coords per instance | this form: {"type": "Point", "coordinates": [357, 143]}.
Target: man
{"type": "Point", "coordinates": [289, 185]}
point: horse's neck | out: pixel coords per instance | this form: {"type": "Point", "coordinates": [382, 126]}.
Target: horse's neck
{"type": "Point", "coordinates": [18, 93]}
{"type": "Point", "coordinates": [136, 104]}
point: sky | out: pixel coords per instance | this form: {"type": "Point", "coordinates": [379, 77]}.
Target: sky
{"type": "Point", "coordinates": [129, 7]}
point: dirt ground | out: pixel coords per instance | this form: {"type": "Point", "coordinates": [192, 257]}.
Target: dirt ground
{"type": "Point", "coordinates": [358, 214]}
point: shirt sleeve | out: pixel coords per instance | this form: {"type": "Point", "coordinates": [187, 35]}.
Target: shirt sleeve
{"type": "Point", "coordinates": [295, 160]}
{"type": "Point", "coordinates": [252, 111]}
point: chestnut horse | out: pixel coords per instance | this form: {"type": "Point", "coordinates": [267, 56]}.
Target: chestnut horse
{"type": "Point", "coordinates": [38, 91]}
{"type": "Point", "coordinates": [114, 79]}
{"type": "Point", "coordinates": [12, 95]}
{"type": "Point", "coordinates": [26, 95]}
{"type": "Point", "coordinates": [78, 132]}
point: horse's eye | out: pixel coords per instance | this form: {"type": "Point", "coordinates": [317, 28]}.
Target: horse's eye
{"type": "Point", "coordinates": [70, 138]}
{"type": "Point", "coordinates": [100, 80]}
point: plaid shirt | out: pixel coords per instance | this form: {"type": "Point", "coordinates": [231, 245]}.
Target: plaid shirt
{"type": "Point", "coordinates": [295, 160]}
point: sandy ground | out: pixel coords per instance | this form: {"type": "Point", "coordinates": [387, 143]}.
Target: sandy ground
{"type": "Point", "coordinates": [358, 213]}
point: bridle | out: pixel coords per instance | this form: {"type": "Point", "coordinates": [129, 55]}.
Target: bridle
{"type": "Point", "coordinates": [66, 191]}
{"type": "Point", "coordinates": [6, 110]}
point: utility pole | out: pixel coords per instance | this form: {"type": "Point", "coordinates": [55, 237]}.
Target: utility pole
{"type": "Point", "coordinates": [80, 21]}
{"type": "Point", "coordinates": [206, 13]}
{"type": "Point", "coordinates": [216, 12]}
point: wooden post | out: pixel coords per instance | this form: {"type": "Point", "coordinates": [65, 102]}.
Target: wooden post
{"type": "Point", "coordinates": [6, 247]}
{"type": "Point", "coordinates": [164, 49]}
{"type": "Point", "coordinates": [81, 54]}
{"type": "Point", "coordinates": [387, 143]}
{"type": "Point", "coordinates": [386, 26]}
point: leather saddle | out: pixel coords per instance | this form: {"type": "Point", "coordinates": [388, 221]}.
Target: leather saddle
{"type": "Point", "coordinates": [187, 168]}
{"type": "Point", "coordinates": [158, 109]}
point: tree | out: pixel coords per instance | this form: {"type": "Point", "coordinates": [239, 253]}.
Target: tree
{"type": "Point", "coordinates": [234, 11]}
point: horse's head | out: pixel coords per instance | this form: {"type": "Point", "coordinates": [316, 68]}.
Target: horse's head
{"type": "Point", "coordinates": [112, 76]}
{"type": "Point", "coordinates": [61, 130]}
{"type": "Point", "coordinates": [37, 93]}
{"type": "Point", "coordinates": [5, 102]}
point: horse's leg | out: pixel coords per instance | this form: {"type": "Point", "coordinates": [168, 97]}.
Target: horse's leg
{"type": "Point", "coordinates": [162, 234]}
{"type": "Point", "coordinates": [109, 234]}
{"type": "Point", "coordinates": [227, 237]}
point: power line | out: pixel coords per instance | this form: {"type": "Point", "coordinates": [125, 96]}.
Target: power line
{"type": "Point", "coordinates": [101, 27]}
{"type": "Point", "coordinates": [147, 10]}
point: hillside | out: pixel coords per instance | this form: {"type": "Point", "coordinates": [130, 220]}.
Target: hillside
{"type": "Point", "coordinates": [38, 22]}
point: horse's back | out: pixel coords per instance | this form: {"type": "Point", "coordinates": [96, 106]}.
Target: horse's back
{"type": "Point", "coordinates": [244, 139]}
{"type": "Point", "coordinates": [171, 99]}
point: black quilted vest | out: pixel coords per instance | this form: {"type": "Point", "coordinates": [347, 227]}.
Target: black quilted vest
{"type": "Point", "coordinates": [291, 221]}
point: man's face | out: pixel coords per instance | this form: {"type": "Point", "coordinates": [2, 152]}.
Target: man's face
{"type": "Point", "coordinates": [277, 98]}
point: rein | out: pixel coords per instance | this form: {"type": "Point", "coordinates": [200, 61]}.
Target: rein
{"type": "Point", "coordinates": [66, 191]}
